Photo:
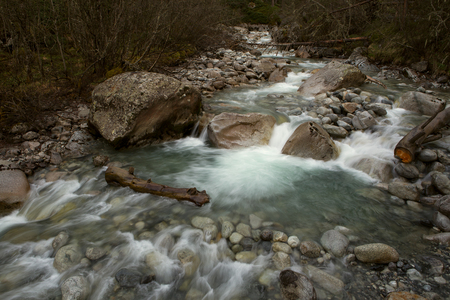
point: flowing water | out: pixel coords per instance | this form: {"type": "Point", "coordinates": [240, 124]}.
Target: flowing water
{"type": "Point", "coordinates": [301, 197]}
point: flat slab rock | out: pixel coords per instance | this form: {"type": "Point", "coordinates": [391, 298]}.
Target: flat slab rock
{"type": "Point", "coordinates": [231, 130]}
{"type": "Point", "coordinates": [333, 76]}
{"type": "Point", "coordinates": [420, 103]}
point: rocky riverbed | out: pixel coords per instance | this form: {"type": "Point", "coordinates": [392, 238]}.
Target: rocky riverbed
{"type": "Point", "coordinates": [146, 247]}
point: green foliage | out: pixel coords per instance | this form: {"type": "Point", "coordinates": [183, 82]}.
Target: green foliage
{"type": "Point", "coordinates": [261, 13]}
{"type": "Point", "coordinates": [256, 11]}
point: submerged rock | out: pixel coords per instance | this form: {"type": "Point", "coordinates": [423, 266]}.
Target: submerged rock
{"type": "Point", "coordinates": [60, 240]}
{"type": "Point", "coordinates": [246, 256]}
{"type": "Point", "coordinates": [281, 260]}
{"type": "Point", "coordinates": [441, 238]}
{"type": "Point", "coordinates": [404, 190]}
{"type": "Point", "coordinates": [326, 281]}
{"type": "Point", "coordinates": [75, 288]}
{"type": "Point", "coordinates": [128, 278]}
{"type": "Point", "coordinates": [296, 286]}
{"type": "Point", "coordinates": [139, 107]}
{"type": "Point", "coordinates": [231, 130]}
{"type": "Point", "coordinates": [67, 257]}
{"type": "Point", "coordinates": [310, 140]}
{"type": "Point", "coordinates": [333, 76]}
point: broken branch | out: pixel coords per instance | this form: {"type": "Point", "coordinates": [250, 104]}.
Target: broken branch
{"type": "Point", "coordinates": [423, 133]}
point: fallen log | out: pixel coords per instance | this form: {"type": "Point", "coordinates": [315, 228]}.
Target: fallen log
{"type": "Point", "coordinates": [355, 39]}
{"type": "Point", "coordinates": [119, 177]}
{"type": "Point", "coordinates": [421, 134]}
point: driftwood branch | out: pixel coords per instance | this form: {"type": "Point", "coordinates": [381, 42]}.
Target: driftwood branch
{"type": "Point", "coordinates": [120, 177]}
{"type": "Point", "coordinates": [421, 134]}
{"type": "Point", "coordinates": [376, 81]}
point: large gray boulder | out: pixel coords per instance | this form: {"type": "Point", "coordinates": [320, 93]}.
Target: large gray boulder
{"type": "Point", "coordinates": [296, 286]}
{"type": "Point", "coordinates": [421, 103]}
{"type": "Point", "coordinates": [332, 77]}
{"type": "Point", "coordinates": [231, 130]}
{"type": "Point", "coordinates": [14, 187]}
{"type": "Point", "coordinates": [142, 107]}
{"type": "Point", "coordinates": [310, 140]}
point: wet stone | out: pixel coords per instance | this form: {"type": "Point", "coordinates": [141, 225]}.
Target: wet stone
{"type": "Point", "coordinates": [244, 229]}
{"type": "Point", "coordinates": [281, 247]}
{"type": "Point", "coordinates": [255, 221]}
{"type": "Point", "coordinates": [441, 182]}
{"type": "Point", "coordinates": [256, 235]}
{"type": "Point", "coordinates": [60, 240]}
{"type": "Point", "coordinates": [67, 257]}
{"type": "Point", "coordinates": [210, 232]}
{"type": "Point", "coordinates": [201, 222]}
{"type": "Point", "coordinates": [407, 170]}
{"type": "Point", "coordinates": [427, 155]}
{"type": "Point", "coordinates": [237, 248]}
{"type": "Point", "coordinates": [246, 256]}
{"type": "Point", "coordinates": [247, 244]}
{"type": "Point", "coordinates": [94, 253]}
{"type": "Point", "coordinates": [443, 157]}
{"type": "Point", "coordinates": [293, 241]}
{"type": "Point", "coordinates": [279, 236]}
{"type": "Point", "coordinates": [310, 249]}
{"type": "Point", "coordinates": [296, 286]}
{"type": "Point", "coordinates": [236, 237]}
{"type": "Point", "coordinates": [413, 274]}
{"type": "Point", "coordinates": [281, 260]}
{"type": "Point", "coordinates": [227, 229]}
{"type": "Point", "coordinates": [266, 235]}
{"type": "Point", "coordinates": [75, 288]}
{"type": "Point", "coordinates": [334, 242]}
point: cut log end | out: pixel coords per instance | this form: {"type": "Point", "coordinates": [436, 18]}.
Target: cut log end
{"type": "Point", "coordinates": [404, 155]}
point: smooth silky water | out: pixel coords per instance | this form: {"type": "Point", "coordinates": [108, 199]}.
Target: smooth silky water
{"type": "Point", "coordinates": [302, 197]}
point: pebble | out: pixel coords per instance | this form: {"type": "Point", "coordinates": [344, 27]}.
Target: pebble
{"type": "Point", "coordinates": [279, 236]}
{"type": "Point", "coordinates": [293, 241]}
{"type": "Point", "coordinates": [413, 274]}
{"type": "Point", "coordinates": [236, 237]}
{"type": "Point", "coordinates": [281, 247]}
{"type": "Point", "coordinates": [227, 229]}
{"type": "Point", "coordinates": [244, 229]}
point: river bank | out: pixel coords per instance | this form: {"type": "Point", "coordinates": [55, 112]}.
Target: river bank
{"type": "Point", "coordinates": [180, 261]}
